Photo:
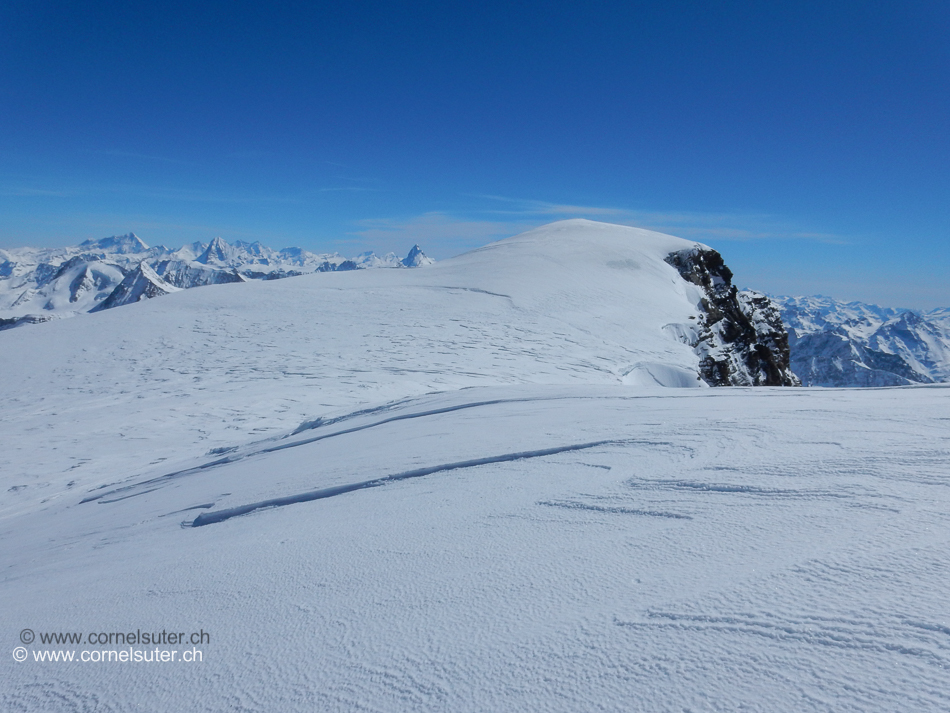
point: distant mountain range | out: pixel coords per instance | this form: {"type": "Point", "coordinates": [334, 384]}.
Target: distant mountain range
{"type": "Point", "coordinates": [837, 343]}
{"type": "Point", "coordinates": [39, 284]}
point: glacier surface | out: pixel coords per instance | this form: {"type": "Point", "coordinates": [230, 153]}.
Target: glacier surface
{"type": "Point", "coordinates": [470, 487]}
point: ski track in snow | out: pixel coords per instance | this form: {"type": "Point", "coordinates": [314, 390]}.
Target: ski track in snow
{"type": "Point", "coordinates": [222, 515]}
{"type": "Point", "coordinates": [302, 442]}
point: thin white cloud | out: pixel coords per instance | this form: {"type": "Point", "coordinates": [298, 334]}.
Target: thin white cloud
{"type": "Point", "coordinates": [29, 192]}
{"type": "Point", "coordinates": [439, 232]}
{"type": "Point", "coordinates": [188, 195]}
{"type": "Point", "coordinates": [142, 156]}
{"type": "Point", "coordinates": [686, 224]}
{"type": "Point", "coordinates": [448, 234]}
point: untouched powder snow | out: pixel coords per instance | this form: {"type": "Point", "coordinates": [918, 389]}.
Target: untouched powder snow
{"type": "Point", "coordinates": [464, 488]}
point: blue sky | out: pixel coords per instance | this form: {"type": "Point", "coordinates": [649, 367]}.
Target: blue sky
{"type": "Point", "coordinates": [807, 141]}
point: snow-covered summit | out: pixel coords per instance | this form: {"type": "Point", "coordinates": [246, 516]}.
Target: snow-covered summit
{"type": "Point", "coordinates": [618, 285]}
{"type": "Point", "coordinates": [118, 244]}
{"type": "Point", "coordinates": [142, 283]}
{"type": "Point", "coordinates": [618, 280]}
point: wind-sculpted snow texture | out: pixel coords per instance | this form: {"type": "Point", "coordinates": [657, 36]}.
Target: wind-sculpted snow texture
{"type": "Point", "coordinates": [722, 549]}
{"type": "Point", "coordinates": [855, 344]}
{"type": "Point", "coordinates": [464, 488]}
{"type": "Point", "coordinates": [37, 285]}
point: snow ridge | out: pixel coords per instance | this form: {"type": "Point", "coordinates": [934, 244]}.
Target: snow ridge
{"type": "Point", "coordinates": [143, 283]}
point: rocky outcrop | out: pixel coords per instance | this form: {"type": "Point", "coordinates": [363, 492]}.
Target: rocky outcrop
{"type": "Point", "coordinates": [740, 340]}
{"type": "Point", "coordinates": [187, 274]}
{"type": "Point", "coordinates": [26, 319]}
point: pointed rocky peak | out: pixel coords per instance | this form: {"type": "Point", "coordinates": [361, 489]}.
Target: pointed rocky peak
{"type": "Point", "coordinates": [417, 258]}
{"type": "Point", "coordinates": [142, 283]}
{"type": "Point", "coordinates": [219, 251]}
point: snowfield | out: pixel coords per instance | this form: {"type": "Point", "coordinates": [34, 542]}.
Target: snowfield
{"type": "Point", "coordinates": [467, 487]}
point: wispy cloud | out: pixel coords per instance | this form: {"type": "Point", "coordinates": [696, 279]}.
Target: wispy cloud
{"type": "Point", "coordinates": [448, 233]}
{"type": "Point", "coordinates": [436, 231]}
{"type": "Point", "coordinates": [695, 225]}
{"type": "Point", "coordinates": [31, 192]}
{"type": "Point", "coordinates": [250, 154]}
{"type": "Point", "coordinates": [27, 189]}
{"type": "Point", "coordinates": [352, 189]}
{"type": "Point", "coordinates": [141, 156]}
{"type": "Point", "coordinates": [519, 206]}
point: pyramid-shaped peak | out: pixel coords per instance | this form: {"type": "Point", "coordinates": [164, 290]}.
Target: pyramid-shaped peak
{"type": "Point", "coordinates": [218, 251]}
{"type": "Point", "coordinates": [417, 258]}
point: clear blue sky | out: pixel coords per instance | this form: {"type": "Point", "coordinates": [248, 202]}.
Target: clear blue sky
{"type": "Point", "coordinates": [807, 141]}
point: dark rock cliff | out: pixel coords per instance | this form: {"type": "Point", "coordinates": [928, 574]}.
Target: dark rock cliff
{"type": "Point", "coordinates": [741, 339]}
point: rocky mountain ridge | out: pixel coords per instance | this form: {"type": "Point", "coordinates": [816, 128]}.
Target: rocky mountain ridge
{"type": "Point", "coordinates": [836, 343]}
{"type": "Point", "coordinates": [39, 284]}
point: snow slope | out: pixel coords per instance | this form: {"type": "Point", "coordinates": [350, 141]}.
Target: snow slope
{"type": "Point", "coordinates": [463, 488]}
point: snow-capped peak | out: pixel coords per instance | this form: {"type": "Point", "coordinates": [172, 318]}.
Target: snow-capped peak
{"type": "Point", "coordinates": [835, 343]}
{"type": "Point", "coordinates": [141, 284]}
{"type": "Point", "coordinates": [417, 258]}
{"type": "Point", "coordinates": [218, 251]}
{"type": "Point", "coordinates": [121, 244]}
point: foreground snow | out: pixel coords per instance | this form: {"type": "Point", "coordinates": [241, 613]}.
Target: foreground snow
{"type": "Point", "coordinates": [208, 368]}
{"type": "Point", "coordinates": [720, 549]}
